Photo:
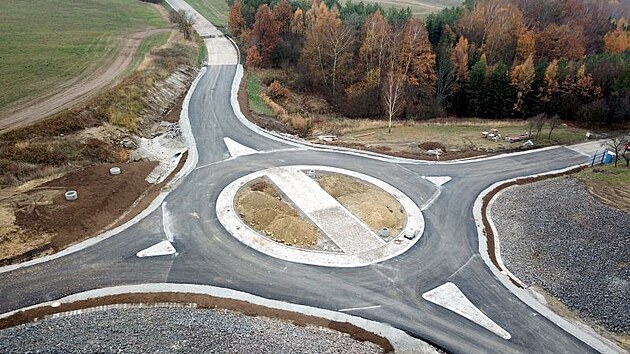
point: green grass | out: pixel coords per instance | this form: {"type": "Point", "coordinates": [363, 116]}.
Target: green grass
{"type": "Point", "coordinates": [46, 42]}
{"type": "Point", "coordinates": [216, 11]}
{"type": "Point", "coordinates": [202, 54]}
{"type": "Point", "coordinates": [253, 93]}
{"type": "Point", "coordinates": [154, 41]}
{"type": "Point", "coordinates": [615, 177]}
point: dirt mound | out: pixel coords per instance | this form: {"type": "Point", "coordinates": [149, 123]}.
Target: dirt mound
{"type": "Point", "coordinates": [371, 204]}
{"type": "Point", "coordinates": [262, 207]}
{"type": "Point", "coordinates": [431, 145]}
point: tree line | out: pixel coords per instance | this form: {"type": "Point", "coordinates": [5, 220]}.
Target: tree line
{"type": "Point", "coordinates": [487, 58]}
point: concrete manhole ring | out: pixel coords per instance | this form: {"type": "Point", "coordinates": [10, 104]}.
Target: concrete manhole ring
{"type": "Point", "coordinates": [352, 254]}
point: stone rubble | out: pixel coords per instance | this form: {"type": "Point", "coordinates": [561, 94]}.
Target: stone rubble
{"type": "Point", "coordinates": [169, 330]}
{"type": "Point", "coordinates": [556, 235]}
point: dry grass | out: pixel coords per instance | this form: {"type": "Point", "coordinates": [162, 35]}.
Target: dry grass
{"type": "Point", "coordinates": [609, 185]}
{"type": "Point", "coordinates": [454, 134]}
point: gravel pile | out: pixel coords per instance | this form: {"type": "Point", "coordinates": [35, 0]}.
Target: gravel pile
{"type": "Point", "coordinates": [554, 234]}
{"type": "Point", "coordinates": [169, 330]}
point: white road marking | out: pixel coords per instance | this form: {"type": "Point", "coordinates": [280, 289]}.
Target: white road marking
{"type": "Point", "coordinates": [163, 248]}
{"type": "Point", "coordinates": [438, 180]}
{"type": "Point", "coordinates": [237, 149]}
{"type": "Point", "coordinates": [360, 308]}
{"type": "Point", "coordinates": [166, 223]}
{"type": "Point", "coordinates": [450, 297]}
{"type": "Point", "coordinates": [433, 198]}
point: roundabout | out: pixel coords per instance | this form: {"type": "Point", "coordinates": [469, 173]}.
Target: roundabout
{"type": "Point", "coordinates": [354, 242]}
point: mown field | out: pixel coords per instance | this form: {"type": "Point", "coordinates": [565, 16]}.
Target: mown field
{"type": "Point", "coordinates": [216, 11]}
{"type": "Point", "coordinates": [418, 8]}
{"type": "Point", "coordinates": [44, 43]}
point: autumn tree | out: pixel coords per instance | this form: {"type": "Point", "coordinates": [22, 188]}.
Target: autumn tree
{"type": "Point", "coordinates": [525, 46]}
{"type": "Point", "coordinates": [283, 14]}
{"type": "Point", "coordinates": [522, 77]}
{"type": "Point", "coordinates": [417, 59]}
{"type": "Point", "coordinates": [561, 41]}
{"type": "Point", "coordinates": [253, 57]}
{"type": "Point", "coordinates": [235, 20]}
{"type": "Point", "coordinates": [328, 45]}
{"type": "Point", "coordinates": [297, 22]}
{"type": "Point", "coordinates": [265, 34]}
{"type": "Point", "coordinates": [618, 40]}
{"type": "Point", "coordinates": [459, 59]}
{"type": "Point", "coordinates": [550, 84]}
{"type": "Point", "coordinates": [374, 40]}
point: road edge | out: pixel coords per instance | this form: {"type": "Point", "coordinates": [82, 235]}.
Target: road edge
{"type": "Point", "coordinates": [189, 165]}
{"type": "Point", "coordinates": [400, 340]}
{"type": "Point", "coordinates": [509, 280]}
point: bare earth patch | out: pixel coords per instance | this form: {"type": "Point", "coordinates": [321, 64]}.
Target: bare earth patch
{"type": "Point", "coordinates": [37, 220]}
{"type": "Point", "coordinates": [372, 205]}
{"type": "Point", "coordinates": [263, 208]}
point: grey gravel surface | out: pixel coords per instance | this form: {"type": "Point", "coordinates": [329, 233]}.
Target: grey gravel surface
{"type": "Point", "coordinates": [554, 234]}
{"type": "Point", "coordinates": [174, 330]}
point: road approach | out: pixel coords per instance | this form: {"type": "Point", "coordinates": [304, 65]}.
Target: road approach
{"type": "Point", "coordinates": [390, 291]}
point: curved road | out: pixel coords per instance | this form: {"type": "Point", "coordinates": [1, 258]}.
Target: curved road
{"type": "Point", "coordinates": [207, 254]}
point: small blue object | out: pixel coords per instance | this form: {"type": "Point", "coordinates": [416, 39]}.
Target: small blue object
{"type": "Point", "coordinates": [609, 157]}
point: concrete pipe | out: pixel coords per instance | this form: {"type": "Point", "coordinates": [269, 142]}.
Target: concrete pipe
{"type": "Point", "coordinates": [384, 232]}
{"type": "Point", "coordinates": [114, 171]}
{"type": "Point", "coordinates": [71, 195]}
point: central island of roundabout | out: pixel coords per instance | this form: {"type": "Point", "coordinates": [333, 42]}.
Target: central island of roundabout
{"type": "Point", "coordinates": [320, 215]}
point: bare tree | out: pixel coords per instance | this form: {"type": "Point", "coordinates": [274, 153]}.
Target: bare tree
{"type": "Point", "coordinates": [184, 22]}
{"type": "Point", "coordinates": [393, 95]}
{"type": "Point", "coordinates": [616, 143]}
{"type": "Point", "coordinates": [446, 78]}
{"type": "Point", "coordinates": [554, 121]}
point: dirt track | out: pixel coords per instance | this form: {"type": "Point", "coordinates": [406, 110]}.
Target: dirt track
{"type": "Point", "coordinates": [79, 89]}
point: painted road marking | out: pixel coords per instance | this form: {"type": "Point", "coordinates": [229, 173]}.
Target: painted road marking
{"type": "Point", "coordinates": [438, 180]}
{"type": "Point", "coordinates": [163, 248]}
{"type": "Point", "coordinates": [237, 149]}
{"type": "Point", "coordinates": [450, 297]}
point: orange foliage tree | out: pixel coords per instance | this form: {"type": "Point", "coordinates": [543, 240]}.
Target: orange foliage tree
{"type": "Point", "coordinates": [283, 13]}
{"type": "Point", "coordinates": [235, 20]}
{"type": "Point", "coordinates": [265, 34]}
{"type": "Point", "coordinates": [522, 78]}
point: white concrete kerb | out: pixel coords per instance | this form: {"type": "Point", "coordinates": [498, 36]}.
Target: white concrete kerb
{"type": "Point", "coordinates": [585, 334]}
{"type": "Point", "coordinates": [401, 341]}
{"type": "Point", "coordinates": [230, 219]}
{"type": "Point", "coordinates": [189, 165]}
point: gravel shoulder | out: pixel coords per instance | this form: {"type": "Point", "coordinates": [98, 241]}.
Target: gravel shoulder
{"type": "Point", "coordinates": [554, 234]}
{"type": "Point", "coordinates": [167, 330]}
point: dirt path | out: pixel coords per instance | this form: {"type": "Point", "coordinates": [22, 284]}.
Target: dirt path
{"type": "Point", "coordinates": [78, 89]}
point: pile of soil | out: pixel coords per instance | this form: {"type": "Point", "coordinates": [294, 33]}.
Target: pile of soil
{"type": "Point", "coordinates": [369, 203]}
{"type": "Point", "coordinates": [262, 207]}
{"type": "Point", "coordinates": [103, 198]}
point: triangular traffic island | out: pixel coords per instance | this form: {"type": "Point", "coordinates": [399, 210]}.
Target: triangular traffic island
{"type": "Point", "coordinates": [163, 248]}
{"type": "Point", "coordinates": [237, 149]}
{"type": "Point", "coordinates": [450, 297]}
{"type": "Point", "coordinates": [438, 180]}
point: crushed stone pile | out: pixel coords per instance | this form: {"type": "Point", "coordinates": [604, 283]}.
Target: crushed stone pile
{"type": "Point", "coordinates": [554, 234]}
{"type": "Point", "coordinates": [170, 330]}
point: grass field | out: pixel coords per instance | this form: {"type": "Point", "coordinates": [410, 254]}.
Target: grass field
{"type": "Point", "coordinates": [460, 134]}
{"type": "Point", "coordinates": [216, 11]}
{"type": "Point", "coordinates": [418, 8]}
{"type": "Point", "coordinates": [46, 42]}
{"type": "Point", "coordinates": [253, 93]}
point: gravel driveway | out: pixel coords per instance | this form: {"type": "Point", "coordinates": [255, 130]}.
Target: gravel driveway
{"type": "Point", "coordinates": [554, 234]}
{"type": "Point", "coordinates": [170, 330]}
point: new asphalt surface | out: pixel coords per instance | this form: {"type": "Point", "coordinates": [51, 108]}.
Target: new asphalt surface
{"type": "Point", "coordinates": [207, 254]}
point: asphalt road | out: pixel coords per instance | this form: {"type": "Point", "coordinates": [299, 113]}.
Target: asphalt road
{"type": "Point", "coordinates": [207, 254]}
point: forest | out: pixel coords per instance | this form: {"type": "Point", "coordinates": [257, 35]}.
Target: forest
{"type": "Point", "coordinates": [560, 59]}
